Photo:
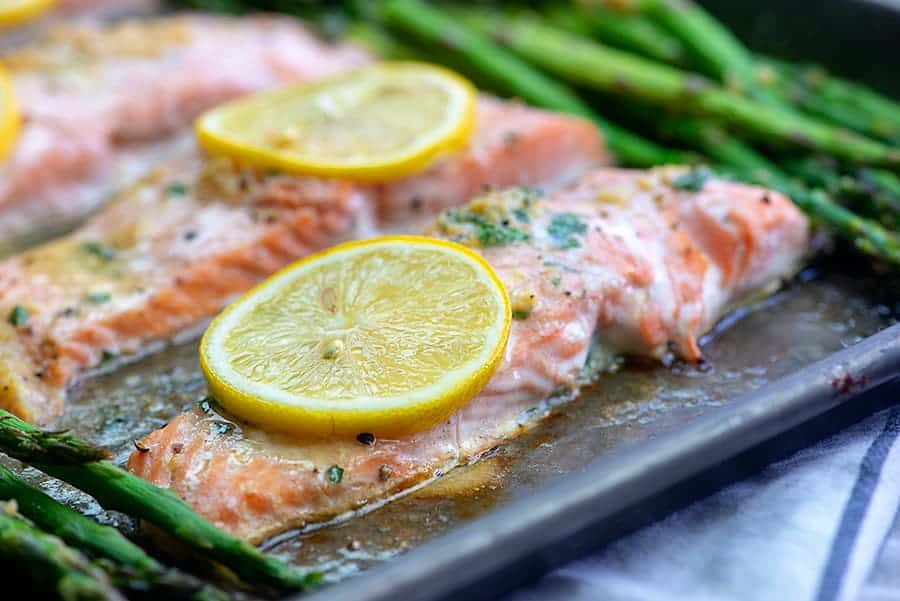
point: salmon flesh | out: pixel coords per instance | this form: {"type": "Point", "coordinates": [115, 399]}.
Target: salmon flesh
{"type": "Point", "coordinates": [618, 262]}
{"type": "Point", "coordinates": [175, 248]}
{"type": "Point", "coordinates": [102, 103]}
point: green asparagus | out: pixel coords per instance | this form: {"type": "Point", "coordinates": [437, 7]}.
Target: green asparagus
{"type": "Point", "coordinates": [116, 489]}
{"type": "Point", "coordinates": [811, 89]}
{"type": "Point", "coordinates": [588, 63]}
{"type": "Point", "coordinates": [843, 92]}
{"type": "Point", "coordinates": [719, 53]}
{"type": "Point", "coordinates": [518, 78]}
{"type": "Point", "coordinates": [131, 567]}
{"type": "Point", "coordinates": [50, 565]}
{"type": "Point", "coordinates": [29, 442]}
{"type": "Point", "coordinates": [629, 32]}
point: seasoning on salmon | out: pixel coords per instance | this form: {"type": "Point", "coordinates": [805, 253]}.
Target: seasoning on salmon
{"type": "Point", "coordinates": [102, 103]}
{"type": "Point", "coordinates": [622, 259]}
{"type": "Point", "coordinates": [171, 251]}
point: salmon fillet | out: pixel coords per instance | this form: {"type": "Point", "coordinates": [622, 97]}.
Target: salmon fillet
{"type": "Point", "coordinates": [105, 7]}
{"type": "Point", "coordinates": [175, 248]}
{"type": "Point", "coordinates": [102, 103]}
{"type": "Point", "coordinates": [619, 262]}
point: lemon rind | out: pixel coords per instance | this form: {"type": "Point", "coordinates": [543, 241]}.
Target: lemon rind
{"type": "Point", "coordinates": [10, 118]}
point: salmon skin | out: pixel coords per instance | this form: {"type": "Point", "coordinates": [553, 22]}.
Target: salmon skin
{"type": "Point", "coordinates": [174, 249]}
{"type": "Point", "coordinates": [619, 262]}
{"type": "Point", "coordinates": [101, 103]}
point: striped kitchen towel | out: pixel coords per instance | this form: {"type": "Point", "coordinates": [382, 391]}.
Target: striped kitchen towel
{"type": "Point", "coordinates": [810, 527]}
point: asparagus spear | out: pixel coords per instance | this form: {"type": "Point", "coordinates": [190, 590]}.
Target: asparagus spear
{"type": "Point", "coordinates": [29, 442]}
{"type": "Point", "coordinates": [884, 111]}
{"type": "Point", "coordinates": [852, 105]}
{"type": "Point", "coordinates": [131, 567]}
{"type": "Point", "coordinates": [517, 77]}
{"type": "Point", "coordinates": [865, 195]}
{"type": "Point", "coordinates": [116, 489]}
{"type": "Point", "coordinates": [50, 565]}
{"type": "Point", "coordinates": [588, 63]}
{"type": "Point", "coordinates": [711, 45]}
{"type": "Point", "coordinates": [621, 30]}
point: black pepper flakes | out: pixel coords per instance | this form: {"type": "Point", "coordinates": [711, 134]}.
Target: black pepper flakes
{"type": "Point", "coordinates": [366, 438]}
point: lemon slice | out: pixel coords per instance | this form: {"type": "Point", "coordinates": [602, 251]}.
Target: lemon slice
{"type": "Point", "coordinates": [10, 119]}
{"type": "Point", "coordinates": [387, 336]}
{"type": "Point", "coordinates": [377, 123]}
{"type": "Point", "coordinates": [16, 12]}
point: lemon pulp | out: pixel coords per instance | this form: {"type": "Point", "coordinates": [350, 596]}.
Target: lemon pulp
{"type": "Point", "coordinates": [387, 336]}
{"type": "Point", "coordinates": [377, 123]}
{"type": "Point", "coordinates": [16, 12]}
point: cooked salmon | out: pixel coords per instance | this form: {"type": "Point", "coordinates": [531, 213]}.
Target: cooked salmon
{"type": "Point", "coordinates": [104, 102]}
{"type": "Point", "coordinates": [619, 262]}
{"type": "Point", "coordinates": [105, 7]}
{"type": "Point", "coordinates": [174, 249]}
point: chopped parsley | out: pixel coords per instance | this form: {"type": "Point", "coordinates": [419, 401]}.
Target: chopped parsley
{"type": "Point", "coordinates": [564, 230]}
{"type": "Point", "coordinates": [98, 298]}
{"type": "Point", "coordinates": [521, 215]}
{"type": "Point", "coordinates": [99, 250]}
{"type": "Point", "coordinates": [693, 180]}
{"type": "Point", "coordinates": [335, 474]}
{"type": "Point", "coordinates": [176, 189]}
{"type": "Point", "coordinates": [107, 357]}
{"type": "Point", "coordinates": [520, 315]}
{"type": "Point", "coordinates": [555, 281]}
{"type": "Point", "coordinates": [488, 234]}
{"type": "Point", "coordinates": [18, 316]}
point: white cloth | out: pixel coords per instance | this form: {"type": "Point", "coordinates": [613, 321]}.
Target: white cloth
{"type": "Point", "coordinates": [808, 528]}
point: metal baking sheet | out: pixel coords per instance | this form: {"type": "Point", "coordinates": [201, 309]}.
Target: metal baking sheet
{"type": "Point", "coordinates": [563, 485]}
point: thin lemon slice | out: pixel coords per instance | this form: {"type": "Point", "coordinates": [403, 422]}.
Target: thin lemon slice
{"type": "Point", "coordinates": [388, 336]}
{"type": "Point", "coordinates": [16, 12]}
{"type": "Point", "coordinates": [10, 119]}
{"type": "Point", "coordinates": [377, 123]}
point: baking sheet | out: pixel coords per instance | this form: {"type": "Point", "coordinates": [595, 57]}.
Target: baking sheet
{"type": "Point", "coordinates": [642, 407]}
{"type": "Point", "coordinates": [821, 312]}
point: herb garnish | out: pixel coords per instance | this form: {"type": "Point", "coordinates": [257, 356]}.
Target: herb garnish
{"type": "Point", "coordinates": [98, 298]}
{"type": "Point", "coordinates": [488, 234]}
{"type": "Point", "coordinates": [18, 316]}
{"type": "Point", "coordinates": [335, 474]}
{"type": "Point", "coordinates": [693, 180]}
{"type": "Point", "coordinates": [107, 357]}
{"type": "Point", "coordinates": [176, 189]}
{"type": "Point", "coordinates": [99, 250]}
{"type": "Point", "coordinates": [521, 215]}
{"type": "Point", "coordinates": [220, 428]}
{"type": "Point", "coordinates": [520, 315]}
{"type": "Point", "coordinates": [555, 281]}
{"type": "Point", "coordinates": [564, 229]}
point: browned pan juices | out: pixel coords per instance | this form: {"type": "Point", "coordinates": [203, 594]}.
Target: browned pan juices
{"type": "Point", "coordinates": [815, 316]}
